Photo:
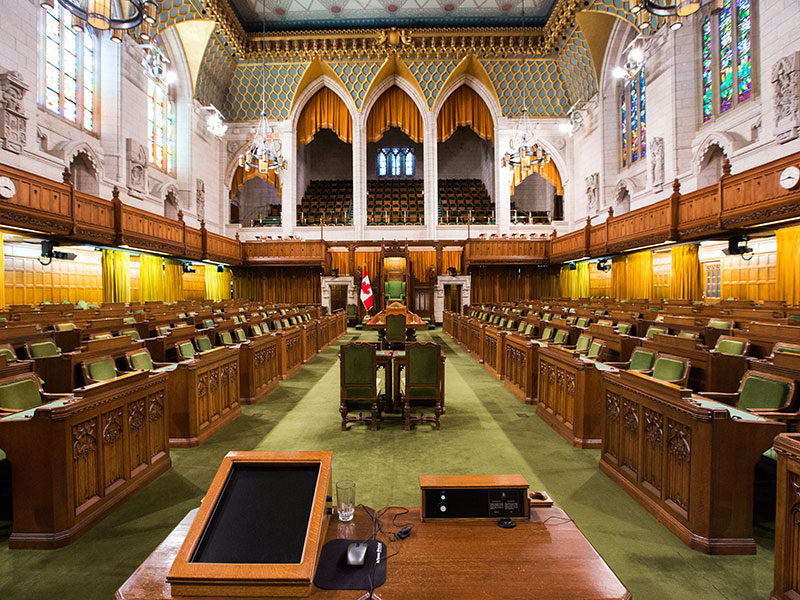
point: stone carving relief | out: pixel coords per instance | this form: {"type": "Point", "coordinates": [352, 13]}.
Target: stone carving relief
{"type": "Point", "coordinates": [786, 94]}
{"type": "Point", "coordinates": [201, 199]}
{"type": "Point", "coordinates": [592, 193]}
{"type": "Point", "coordinates": [136, 166]}
{"type": "Point", "coordinates": [657, 162]}
{"type": "Point", "coordinates": [13, 121]}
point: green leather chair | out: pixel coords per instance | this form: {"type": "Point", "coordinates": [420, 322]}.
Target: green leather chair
{"type": "Point", "coordinates": [582, 322]}
{"type": "Point", "coordinates": [129, 321]}
{"type": "Point", "coordinates": [547, 334]}
{"type": "Point", "coordinates": [529, 329]}
{"type": "Point", "coordinates": [352, 315]}
{"type": "Point", "coordinates": [203, 343]}
{"type": "Point", "coordinates": [689, 335]}
{"type": "Point", "coordinates": [671, 369]}
{"type": "Point", "coordinates": [101, 369]}
{"type": "Point", "coordinates": [560, 337]}
{"type": "Point", "coordinates": [131, 333]}
{"type": "Point", "coordinates": [240, 335]}
{"type": "Point", "coordinates": [583, 343]}
{"type": "Point", "coordinates": [606, 322]}
{"type": "Point", "coordinates": [19, 393]}
{"type": "Point", "coordinates": [208, 323]}
{"type": "Point", "coordinates": [185, 351]}
{"type": "Point", "coordinates": [547, 316]}
{"type": "Point", "coordinates": [422, 383]}
{"type": "Point", "coordinates": [732, 346]}
{"type": "Point", "coordinates": [277, 324]}
{"type": "Point", "coordinates": [140, 360]}
{"type": "Point", "coordinates": [571, 320]}
{"type": "Point", "coordinates": [64, 326]}
{"type": "Point", "coordinates": [623, 328]}
{"type": "Point", "coordinates": [256, 329]}
{"type": "Point", "coordinates": [163, 330]}
{"type": "Point", "coordinates": [395, 291]}
{"type": "Point", "coordinates": [285, 322]}
{"type": "Point", "coordinates": [653, 331]}
{"type": "Point", "coordinates": [718, 324]}
{"type": "Point", "coordinates": [7, 350]}
{"type": "Point", "coordinates": [358, 383]}
{"type": "Point", "coordinates": [106, 335]}
{"type": "Point", "coordinates": [763, 394]}
{"type": "Point", "coordinates": [784, 348]}
{"type": "Point", "coordinates": [642, 361]}
{"type": "Point", "coordinates": [42, 349]}
{"type": "Point", "coordinates": [595, 350]}
{"type": "Point", "coordinates": [225, 338]}
{"type": "Point", "coordinates": [395, 336]}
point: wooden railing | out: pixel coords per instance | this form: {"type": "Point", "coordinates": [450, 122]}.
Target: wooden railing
{"type": "Point", "coordinates": [506, 251]}
{"type": "Point", "coordinates": [289, 252]}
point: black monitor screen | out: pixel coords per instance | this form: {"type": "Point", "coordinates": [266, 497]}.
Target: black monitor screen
{"type": "Point", "coordinates": [261, 516]}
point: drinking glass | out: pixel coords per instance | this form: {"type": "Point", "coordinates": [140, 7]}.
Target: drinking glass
{"type": "Point", "coordinates": [346, 499]}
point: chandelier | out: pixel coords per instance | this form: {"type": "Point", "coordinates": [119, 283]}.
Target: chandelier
{"type": "Point", "coordinates": [674, 10]}
{"type": "Point", "coordinates": [264, 152]}
{"type": "Point", "coordinates": [524, 151]}
{"type": "Point", "coordinates": [105, 15]}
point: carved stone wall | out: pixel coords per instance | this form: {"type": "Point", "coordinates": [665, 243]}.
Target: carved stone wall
{"type": "Point", "coordinates": [201, 200]}
{"type": "Point", "coordinates": [136, 167]}
{"type": "Point", "coordinates": [465, 281]}
{"type": "Point", "coordinates": [13, 121]}
{"type": "Point", "coordinates": [592, 193]}
{"type": "Point", "coordinates": [327, 282]}
{"type": "Point", "coordinates": [657, 162]}
{"type": "Point", "coordinates": [786, 88]}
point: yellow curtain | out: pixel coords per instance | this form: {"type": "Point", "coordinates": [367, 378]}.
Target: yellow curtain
{"type": "Point", "coordinates": [465, 108]}
{"type": "Point", "coordinates": [218, 285]}
{"type": "Point", "coordinates": [685, 279]}
{"type": "Point", "coordinates": [151, 278]}
{"type": "Point", "coordinates": [116, 266]}
{"type": "Point", "coordinates": [639, 274]}
{"type": "Point", "coordinates": [372, 261]}
{"type": "Point", "coordinates": [394, 109]}
{"type": "Point", "coordinates": [788, 265]}
{"type": "Point", "coordinates": [547, 171]}
{"type": "Point", "coordinates": [619, 280]}
{"type": "Point", "coordinates": [341, 261]}
{"type": "Point", "coordinates": [241, 176]}
{"type": "Point", "coordinates": [107, 261]}
{"type": "Point", "coordinates": [2, 273]}
{"type": "Point", "coordinates": [575, 282]}
{"type": "Point", "coordinates": [325, 110]}
{"type": "Point", "coordinates": [451, 258]}
{"type": "Point", "coordinates": [173, 280]}
{"type": "Point", "coordinates": [421, 263]}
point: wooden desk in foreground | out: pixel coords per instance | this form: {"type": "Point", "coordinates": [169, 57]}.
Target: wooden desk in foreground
{"type": "Point", "coordinates": [546, 557]}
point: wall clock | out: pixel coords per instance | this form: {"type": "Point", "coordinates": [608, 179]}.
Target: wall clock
{"type": "Point", "coordinates": [790, 177]}
{"type": "Point", "coordinates": [7, 188]}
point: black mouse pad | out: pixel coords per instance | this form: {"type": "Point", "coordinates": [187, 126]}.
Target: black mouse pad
{"type": "Point", "coordinates": [333, 572]}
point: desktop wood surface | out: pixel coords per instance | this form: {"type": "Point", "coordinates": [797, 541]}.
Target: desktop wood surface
{"type": "Point", "coordinates": [547, 557]}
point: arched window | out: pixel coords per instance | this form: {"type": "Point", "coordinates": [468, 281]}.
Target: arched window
{"type": "Point", "coordinates": [726, 41]}
{"type": "Point", "coordinates": [70, 58]}
{"type": "Point", "coordinates": [633, 119]}
{"type": "Point", "coordinates": [396, 162]}
{"type": "Point", "coordinates": [161, 126]}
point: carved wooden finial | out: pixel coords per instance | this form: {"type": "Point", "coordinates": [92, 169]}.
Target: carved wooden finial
{"type": "Point", "coordinates": [180, 214]}
{"type": "Point", "coordinates": [115, 193]}
{"type": "Point", "coordinates": [676, 185]}
{"type": "Point", "coordinates": [237, 236]}
{"type": "Point", "coordinates": [203, 224]}
{"type": "Point", "coordinates": [554, 234]}
{"type": "Point", "coordinates": [588, 221]}
{"type": "Point", "coordinates": [67, 176]}
{"type": "Point", "coordinates": [610, 211]}
{"type": "Point", "coordinates": [726, 167]}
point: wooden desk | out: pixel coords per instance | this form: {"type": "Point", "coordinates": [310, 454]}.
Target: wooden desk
{"type": "Point", "coordinates": [259, 367]}
{"type": "Point", "coordinates": [689, 461]}
{"type": "Point", "coordinates": [786, 583]}
{"type": "Point", "coordinates": [547, 557]}
{"type": "Point", "coordinates": [520, 367]}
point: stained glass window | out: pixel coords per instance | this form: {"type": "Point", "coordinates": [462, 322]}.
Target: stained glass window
{"type": "Point", "coordinates": [396, 162]}
{"type": "Point", "coordinates": [70, 84]}
{"type": "Point", "coordinates": [160, 126]}
{"type": "Point", "coordinates": [726, 40]}
{"type": "Point", "coordinates": [633, 119]}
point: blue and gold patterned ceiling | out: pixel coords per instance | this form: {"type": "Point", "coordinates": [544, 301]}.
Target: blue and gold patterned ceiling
{"type": "Point", "coordinates": [285, 15]}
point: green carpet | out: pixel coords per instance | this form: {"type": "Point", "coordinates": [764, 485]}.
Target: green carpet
{"type": "Point", "coordinates": [486, 430]}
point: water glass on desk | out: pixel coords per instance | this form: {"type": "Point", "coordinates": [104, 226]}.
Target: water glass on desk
{"type": "Point", "coordinates": [346, 499]}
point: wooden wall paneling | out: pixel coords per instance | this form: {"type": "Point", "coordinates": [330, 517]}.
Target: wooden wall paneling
{"type": "Point", "coordinates": [754, 279]}
{"type": "Point", "coordinates": [40, 203]}
{"type": "Point", "coordinates": [599, 281]}
{"type": "Point", "coordinates": [285, 252]}
{"type": "Point", "coordinates": [194, 284]}
{"type": "Point", "coordinates": [786, 583]}
{"type": "Point", "coordinates": [662, 274]}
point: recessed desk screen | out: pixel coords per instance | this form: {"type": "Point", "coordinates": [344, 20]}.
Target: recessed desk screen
{"type": "Point", "coordinates": [261, 516]}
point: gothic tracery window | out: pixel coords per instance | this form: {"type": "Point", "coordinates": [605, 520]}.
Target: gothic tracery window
{"type": "Point", "coordinates": [160, 126]}
{"type": "Point", "coordinates": [396, 162]}
{"type": "Point", "coordinates": [633, 119]}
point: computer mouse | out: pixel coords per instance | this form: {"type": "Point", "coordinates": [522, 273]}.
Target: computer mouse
{"type": "Point", "coordinates": [356, 554]}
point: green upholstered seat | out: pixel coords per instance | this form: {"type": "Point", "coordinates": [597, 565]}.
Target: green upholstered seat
{"type": "Point", "coordinates": [185, 350]}
{"type": "Point", "coordinates": [594, 350]}
{"type": "Point", "coordinates": [653, 331]}
{"type": "Point", "coordinates": [529, 329]}
{"type": "Point", "coordinates": [181, 315]}
{"type": "Point", "coordinates": [257, 330]}
{"type": "Point", "coordinates": [43, 349]}
{"type": "Point", "coordinates": [83, 304]}
{"type": "Point", "coordinates": [422, 377]}
{"type": "Point", "coordinates": [235, 319]}
{"type": "Point", "coordinates": [547, 316]}
{"type": "Point", "coordinates": [395, 291]}
{"type": "Point", "coordinates": [395, 329]}
{"type": "Point", "coordinates": [203, 343]}
{"type": "Point", "coordinates": [582, 322]}
{"type": "Point", "coordinates": [163, 329]}
{"type": "Point", "coordinates": [140, 360]}
{"type": "Point", "coordinates": [20, 394]}
{"type": "Point", "coordinates": [641, 360]}
{"type": "Point", "coordinates": [787, 348]}
{"type": "Point", "coordinates": [731, 347]}
{"type": "Point", "coordinates": [8, 352]}
{"type": "Point", "coordinates": [758, 391]}
{"type": "Point", "coordinates": [583, 343]}
{"type": "Point", "coordinates": [691, 335]}
{"type": "Point", "coordinates": [624, 328]}
{"type": "Point", "coordinates": [129, 320]}
{"type": "Point", "coordinates": [358, 382]}
{"type": "Point", "coordinates": [225, 338]}
{"type": "Point", "coordinates": [240, 334]}
{"type": "Point", "coordinates": [138, 311]}
{"type": "Point", "coordinates": [101, 370]}
{"type": "Point", "coordinates": [131, 333]}
{"type": "Point", "coordinates": [208, 323]}
{"type": "Point", "coordinates": [669, 369]}
{"type": "Point", "coordinates": [794, 319]}
{"type": "Point", "coordinates": [560, 337]}
{"type": "Point", "coordinates": [102, 336]}
{"type": "Point", "coordinates": [64, 326]}
{"type": "Point", "coordinates": [547, 334]}
{"type": "Point", "coordinates": [570, 320]}
{"type": "Point", "coordinates": [278, 324]}
{"type": "Point", "coordinates": [501, 322]}
{"type": "Point", "coordinates": [285, 322]}
{"type": "Point", "coordinates": [606, 322]}
{"type": "Point", "coordinates": [717, 324]}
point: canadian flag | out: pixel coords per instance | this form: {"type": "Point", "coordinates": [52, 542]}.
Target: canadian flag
{"type": "Point", "coordinates": [366, 290]}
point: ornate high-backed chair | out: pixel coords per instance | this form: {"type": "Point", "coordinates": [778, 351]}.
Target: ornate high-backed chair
{"type": "Point", "coordinates": [423, 384]}
{"type": "Point", "coordinates": [358, 383]}
{"type": "Point", "coordinates": [395, 336]}
{"type": "Point", "coordinates": [763, 394]}
{"type": "Point", "coordinates": [395, 291]}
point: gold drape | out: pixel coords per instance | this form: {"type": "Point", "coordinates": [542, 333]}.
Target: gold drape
{"type": "Point", "coordinates": [325, 110]}
{"type": "Point", "coordinates": [619, 279]}
{"type": "Point", "coordinates": [2, 273]}
{"type": "Point", "coordinates": [513, 283]}
{"type": "Point", "coordinates": [173, 280]}
{"type": "Point", "coordinates": [685, 281]}
{"type": "Point", "coordinates": [107, 262]}
{"type": "Point", "coordinates": [341, 261]}
{"type": "Point", "coordinates": [372, 261]}
{"type": "Point", "coordinates": [276, 285]}
{"type": "Point", "coordinates": [241, 176]}
{"type": "Point", "coordinates": [575, 282]}
{"type": "Point", "coordinates": [465, 108]}
{"type": "Point", "coordinates": [548, 171]}
{"type": "Point", "coordinates": [639, 275]}
{"type": "Point", "coordinates": [394, 109]}
{"type": "Point", "coordinates": [116, 266]}
{"type": "Point", "coordinates": [151, 278]}
{"type": "Point", "coordinates": [451, 258]}
{"type": "Point", "coordinates": [788, 265]}
{"type": "Point", "coordinates": [421, 263]}
{"type": "Point", "coordinates": [218, 284]}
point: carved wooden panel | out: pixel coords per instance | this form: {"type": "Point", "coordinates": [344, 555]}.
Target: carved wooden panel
{"type": "Point", "coordinates": [85, 464]}
{"type": "Point", "coordinates": [285, 252]}
{"type": "Point", "coordinates": [612, 428]}
{"type": "Point", "coordinates": [756, 196]}
{"type": "Point", "coordinates": [94, 218]}
{"type": "Point", "coordinates": [629, 437]}
{"type": "Point", "coordinates": [490, 349]}
{"type": "Point", "coordinates": [193, 240]}
{"type": "Point", "coordinates": [223, 249]}
{"type": "Point", "coordinates": [649, 224]}
{"type": "Point", "coordinates": [698, 212]}
{"type": "Point", "coordinates": [570, 246]}
{"type": "Point", "coordinates": [137, 435]}
{"type": "Point", "coordinates": [677, 477]}
{"type": "Point", "coordinates": [144, 229]}
{"type": "Point", "coordinates": [507, 251]}
{"type": "Point", "coordinates": [113, 448]}
{"type": "Point", "coordinates": [158, 434]}
{"type": "Point", "coordinates": [652, 451]}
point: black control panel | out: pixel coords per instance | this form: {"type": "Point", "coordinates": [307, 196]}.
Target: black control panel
{"type": "Point", "coordinates": [480, 503]}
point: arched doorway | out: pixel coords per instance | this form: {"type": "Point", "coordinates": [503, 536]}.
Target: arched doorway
{"type": "Point", "coordinates": [255, 198]}
{"type": "Point", "coordinates": [465, 155]}
{"type": "Point", "coordinates": [84, 173]}
{"type": "Point", "coordinates": [710, 167]}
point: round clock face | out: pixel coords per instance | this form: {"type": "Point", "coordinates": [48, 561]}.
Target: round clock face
{"type": "Point", "coordinates": [789, 178]}
{"type": "Point", "coordinates": [7, 188]}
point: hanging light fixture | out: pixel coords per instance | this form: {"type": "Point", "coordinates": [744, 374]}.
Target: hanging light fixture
{"type": "Point", "coordinates": [214, 122]}
{"type": "Point", "coordinates": [524, 150]}
{"type": "Point", "coordinates": [672, 8]}
{"type": "Point", "coordinates": [264, 152]}
{"type": "Point", "coordinates": [104, 15]}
